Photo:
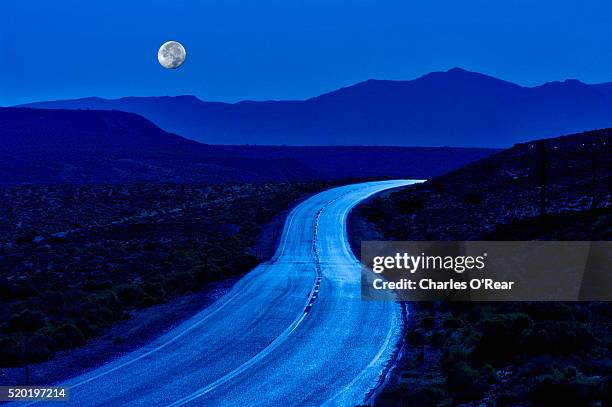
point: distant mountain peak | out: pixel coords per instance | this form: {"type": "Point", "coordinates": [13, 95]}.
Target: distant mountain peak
{"type": "Point", "coordinates": [455, 107]}
{"type": "Point", "coordinates": [463, 74]}
{"type": "Point", "coordinates": [566, 82]}
{"type": "Point", "coordinates": [571, 85]}
{"type": "Point", "coordinates": [186, 98]}
{"type": "Point", "coordinates": [458, 70]}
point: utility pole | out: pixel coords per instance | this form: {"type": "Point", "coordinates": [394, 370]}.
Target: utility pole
{"type": "Point", "coordinates": [26, 365]}
{"type": "Point", "coordinates": [542, 176]}
{"type": "Point", "coordinates": [593, 175]}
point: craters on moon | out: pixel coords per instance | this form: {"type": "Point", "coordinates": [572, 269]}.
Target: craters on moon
{"type": "Point", "coordinates": [171, 55]}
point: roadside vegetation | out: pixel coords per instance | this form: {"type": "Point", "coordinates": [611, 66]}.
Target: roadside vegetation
{"type": "Point", "coordinates": [76, 259]}
{"type": "Point", "coordinates": [548, 354]}
{"type": "Point", "coordinates": [521, 354]}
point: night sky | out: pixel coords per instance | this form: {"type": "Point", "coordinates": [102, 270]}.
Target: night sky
{"type": "Point", "coordinates": [282, 49]}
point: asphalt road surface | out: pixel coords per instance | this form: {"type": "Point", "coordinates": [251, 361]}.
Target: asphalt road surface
{"type": "Point", "coordinates": [294, 331]}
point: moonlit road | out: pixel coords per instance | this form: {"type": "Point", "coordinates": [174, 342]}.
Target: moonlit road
{"type": "Point", "coordinates": [293, 331]}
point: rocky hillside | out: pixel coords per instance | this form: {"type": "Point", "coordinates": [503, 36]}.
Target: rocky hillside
{"type": "Point", "coordinates": [557, 176]}
{"type": "Point", "coordinates": [511, 353]}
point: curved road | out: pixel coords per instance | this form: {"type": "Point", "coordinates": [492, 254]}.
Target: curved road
{"type": "Point", "coordinates": [294, 331]}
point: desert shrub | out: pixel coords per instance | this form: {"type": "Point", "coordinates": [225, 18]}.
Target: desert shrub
{"type": "Point", "coordinates": [9, 352]}
{"type": "Point", "coordinates": [512, 396]}
{"type": "Point", "coordinates": [180, 282]}
{"type": "Point", "coordinates": [67, 336]}
{"type": "Point", "coordinates": [582, 312]}
{"type": "Point", "coordinates": [452, 323]}
{"type": "Point", "coordinates": [377, 211]}
{"type": "Point", "coordinates": [464, 382]}
{"type": "Point", "coordinates": [106, 298]}
{"type": "Point", "coordinates": [392, 395]}
{"type": "Point", "coordinates": [97, 284]}
{"type": "Point", "coordinates": [605, 391]}
{"type": "Point", "coordinates": [559, 337]}
{"type": "Point", "coordinates": [452, 355]}
{"type": "Point", "coordinates": [468, 337]}
{"type": "Point", "coordinates": [428, 322]}
{"type": "Point", "coordinates": [488, 373]}
{"type": "Point", "coordinates": [473, 314]}
{"type": "Point", "coordinates": [472, 198]}
{"type": "Point", "coordinates": [501, 338]}
{"type": "Point", "coordinates": [423, 396]}
{"type": "Point", "coordinates": [549, 311]}
{"type": "Point", "coordinates": [201, 274]}
{"type": "Point", "coordinates": [557, 389]}
{"type": "Point", "coordinates": [600, 308]}
{"type": "Point", "coordinates": [437, 338]}
{"type": "Point", "coordinates": [103, 313]}
{"type": "Point", "coordinates": [25, 238]}
{"type": "Point", "coordinates": [5, 290]}
{"type": "Point", "coordinates": [410, 205]}
{"type": "Point", "coordinates": [415, 337]}
{"type": "Point", "coordinates": [55, 301]}
{"type": "Point", "coordinates": [245, 262]}
{"type": "Point", "coordinates": [77, 303]}
{"type": "Point", "coordinates": [26, 321]}
{"type": "Point", "coordinates": [438, 186]}
{"type": "Point", "coordinates": [130, 294]}
{"type": "Point", "coordinates": [100, 274]}
{"type": "Point", "coordinates": [154, 293]}
{"type": "Point", "coordinates": [425, 308]}
{"type": "Point", "coordinates": [537, 365]}
{"type": "Point", "coordinates": [88, 327]}
{"type": "Point", "coordinates": [118, 340]}
{"type": "Point", "coordinates": [39, 347]}
{"type": "Point", "coordinates": [514, 322]}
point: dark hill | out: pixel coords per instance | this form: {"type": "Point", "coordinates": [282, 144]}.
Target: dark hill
{"type": "Point", "coordinates": [453, 108]}
{"type": "Point", "coordinates": [103, 132]}
{"type": "Point", "coordinates": [46, 146]}
{"type": "Point", "coordinates": [499, 196]}
{"type": "Point", "coordinates": [498, 199]}
{"type": "Point", "coordinates": [89, 146]}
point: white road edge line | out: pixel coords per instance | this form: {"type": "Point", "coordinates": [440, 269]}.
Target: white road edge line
{"type": "Point", "coordinates": [188, 329]}
{"type": "Point", "coordinates": [274, 344]}
{"type": "Point", "coordinates": [393, 330]}
{"type": "Point", "coordinates": [285, 334]}
{"type": "Point", "coordinates": [181, 334]}
{"type": "Point", "coordinates": [265, 351]}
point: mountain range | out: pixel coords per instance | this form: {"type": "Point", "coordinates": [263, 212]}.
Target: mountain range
{"type": "Point", "coordinates": [452, 108]}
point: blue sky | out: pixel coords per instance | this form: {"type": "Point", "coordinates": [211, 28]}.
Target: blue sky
{"type": "Point", "coordinates": [284, 49]}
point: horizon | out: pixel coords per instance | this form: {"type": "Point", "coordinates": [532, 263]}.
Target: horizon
{"type": "Point", "coordinates": [288, 51]}
{"type": "Point", "coordinates": [312, 96]}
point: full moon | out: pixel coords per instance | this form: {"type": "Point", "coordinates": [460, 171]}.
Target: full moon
{"type": "Point", "coordinates": [171, 55]}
